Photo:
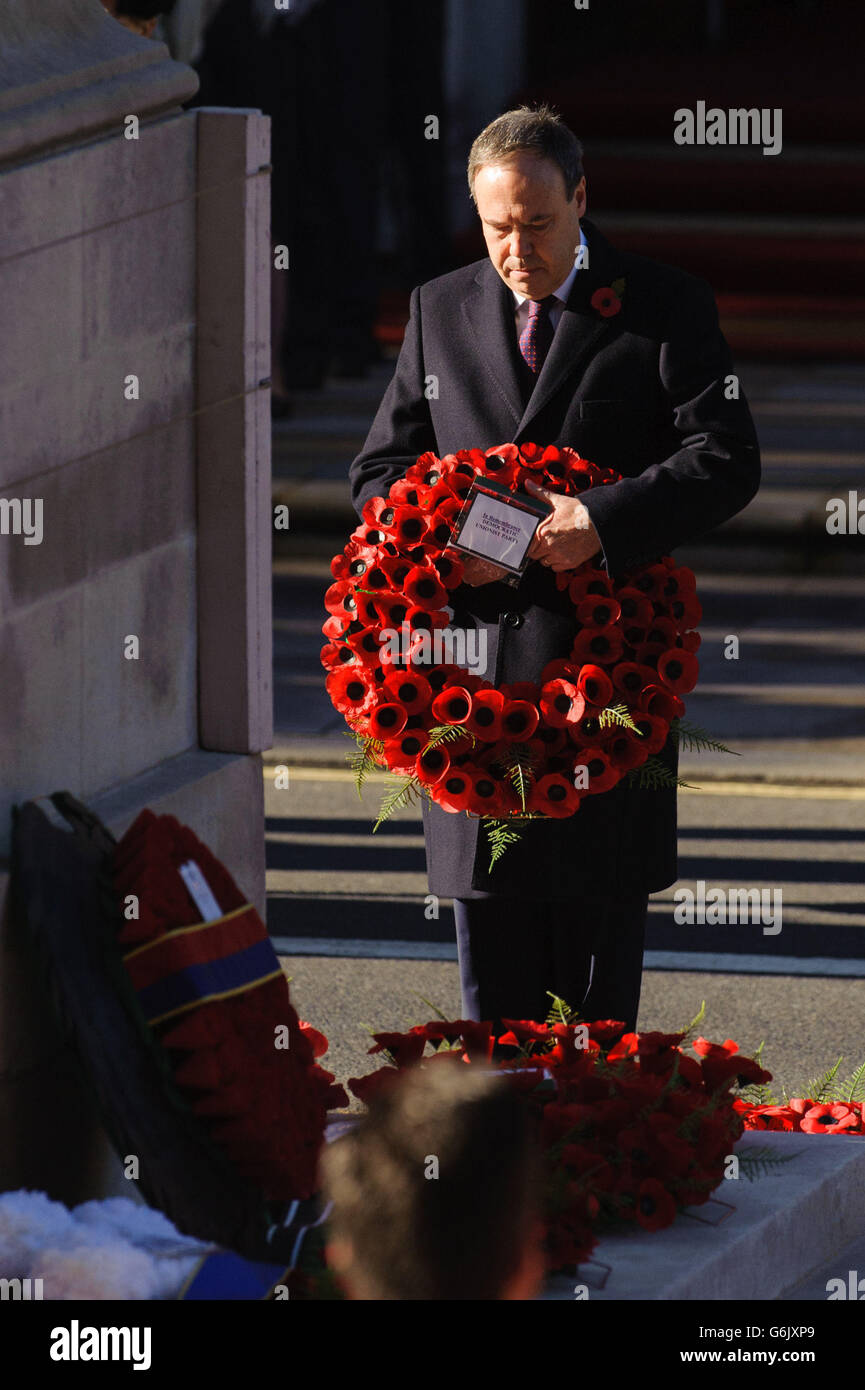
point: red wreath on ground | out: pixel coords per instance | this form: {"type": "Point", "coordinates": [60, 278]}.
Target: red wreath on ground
{"type": "Point", "coordinates": [606, 708]}
{"type": "Point", "coordinates": [216, 1000]}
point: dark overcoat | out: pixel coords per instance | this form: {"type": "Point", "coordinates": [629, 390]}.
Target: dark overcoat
{"type": "Point", "coordinates": [648, 391]}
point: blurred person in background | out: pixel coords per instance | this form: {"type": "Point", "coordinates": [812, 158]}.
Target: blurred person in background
{"type": "Point", "coordinates": [436, 1191]}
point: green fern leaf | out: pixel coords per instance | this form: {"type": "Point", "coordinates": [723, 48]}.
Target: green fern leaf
{"type": "Point", "coordinates": [399, 794]}
{"type": "Point", "coordinates": [654, 775]}
{"type": "Point", "coordinates": [616, 714]}
{"type": "Point", "coordinates": [430, 1005]}
{"type": "Point", "coordinates": [854, 1087]}
{"type": "Point", "coordinates": [447, 733]}
{"type": "Point", "coordinates": [695, 1023]}
{"type": "Point", "coordinates": [560, 1010]}
{"type": "Point", "coordinates": [759, 1163]}
{"type": "Point", "coordinates": [365, 760]}
{"type": "Point", "coordinates": [825, 1088]}
{"type": "Point", "coordinates": [692, 739]}
{"type": "Point", "coordinates": [501, 834]}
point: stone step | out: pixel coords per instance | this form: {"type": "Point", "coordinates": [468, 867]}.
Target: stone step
{"type": "Point", "coordinates": [783, 1228]}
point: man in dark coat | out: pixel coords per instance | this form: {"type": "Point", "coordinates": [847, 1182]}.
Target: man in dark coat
{"type": "Point", "coordinates": [517, 348]}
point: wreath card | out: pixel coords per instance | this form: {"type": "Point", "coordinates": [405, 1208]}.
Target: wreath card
{"type": "Point", "coordinates": [498, 525]}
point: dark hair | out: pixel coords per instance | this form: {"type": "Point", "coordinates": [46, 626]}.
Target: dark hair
{"type": "Point", "coordinates": [144, 9]}
{"type": "Point", "coordinates": [461, 1234]}
{"type": "Point", "coordinates": [539, 130]}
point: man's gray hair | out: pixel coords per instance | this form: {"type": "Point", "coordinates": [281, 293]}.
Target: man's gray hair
{"type": "Point", "coordinates": [538, 130]}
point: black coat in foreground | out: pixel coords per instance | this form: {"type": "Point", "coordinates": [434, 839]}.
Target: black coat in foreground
{"type": "Point", "coordinates": [647, 392]}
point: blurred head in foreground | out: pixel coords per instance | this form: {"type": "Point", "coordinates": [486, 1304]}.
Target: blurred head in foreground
{"type": "Point", "coordinates": [436, 1191]}
{"type": "Point", "coordinates": [139, 15]}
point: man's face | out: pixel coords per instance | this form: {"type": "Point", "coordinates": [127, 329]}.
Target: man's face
{"type": "Point", "coordinates": [531, 230]}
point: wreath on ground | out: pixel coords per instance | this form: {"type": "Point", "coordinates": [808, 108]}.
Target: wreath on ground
{"type": "Point", "coordinates": [518, 751]}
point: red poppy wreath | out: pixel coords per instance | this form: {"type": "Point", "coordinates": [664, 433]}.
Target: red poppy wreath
{"type": "Point", "coordinates": [521, 751]}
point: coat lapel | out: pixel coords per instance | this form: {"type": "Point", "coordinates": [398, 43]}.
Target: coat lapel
{"type": "Point", "coordinates": [489, 313]}
{"type": "Point", "coordinates": [581, 329]}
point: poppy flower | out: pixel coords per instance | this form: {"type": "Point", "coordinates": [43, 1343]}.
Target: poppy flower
{"type": "Point", "coordinates": [597, 610]}
{"type": "Point", "coordinates": [519, 720]}
{"type": "Point", "coordinates": [425, 620]}
{"type": "Point", "coordinates": [423, 587]}
{"type": "Point", "coordinates": [678, 669]}
{"type": "Point", "coordinates": [449, 569]}
{"type": "Point", "coordinates": [409, 689]}
{"type": "Point", "coordinates": [650, 580]}
{"type": "Point", "coordinates": [606, 1030]}
{"type": "Point", "coordinates": [366, 1088]}
{"type": "Point", "coordinates": [454, 790]}
{"type": "Point", "coordinates": [555, 795]}
{"type": "Point", "coordinates": [431, 765]}
{"type": "Point", "coordinates": [379, 512]}
{"type": "Point", "coordinates": [635, 607]}
{"type": "Point", "coordinates": [661, 703]}
{"type": "Point", "coordinates": [441, 523]}
{"type": "Point", "coordinates": [336, 654]}
{"type": "Point", "coordinates": [488, 795]}
{"type": "Point", "coordinates": [409, 526]}
{"type": "Point", "coordinates": [560, 669]}
{"type": "Point", "coordinates": [630, 678]}
{"type": "Point", "coordinates": [652, 730]}
{"type": "Point", "coordinates": [453, 705]}
{"type": "Point", "coordinates": [773, 1117]}
{"type": "Point", "coordinates": [830, 1119]}
{"type": "Point", "coordinates": [544, 743]}
{"type": "Point", "coordinates": [530, 455]}
{"type": "Point", "coordinates": [400, 754]}
{"type": "Point", "coordinates": [349, 690]}
{"type": "Point", "coordinates": [661, 630]}
{"type": "Point", "coordinates": [592, 581]}
{"type": "Point", "coordinates": [685, 611]}
{"type": "Point", "coordinates": [341, 599]}
{"type": "Point", "coordinates": [561, 703]}
{"type": "Point", "coordinates": [691, 641]}
{"type": "Point", "coordinates": [404, 1048]}
{"type": "Point", "coordinates": [354, 561]}
{"type": "Point", "coordinates": [594, 644]}
{"type": "Point", "coordinates": [655, 1208]}
{"type": "Point", "coordinates": [625, 750]}
{"type": "Point", "coordinates": [387, 720]}
{"type": "Point", "coordinates": [485, 719]}
{"type": "Point", "coordinates": [392, 610]}
{"type": "Point", "coordinates": [595, 686]}
{"type": "Point", "coordinates": [406, 492]}
{"type": "Point", "coordinates": [502, 469]}
{"type": "Point", "coordinates": [606, 302]}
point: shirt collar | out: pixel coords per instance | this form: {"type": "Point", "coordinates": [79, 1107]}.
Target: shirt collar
{"type": "Point", "coordinates": [564, 290]}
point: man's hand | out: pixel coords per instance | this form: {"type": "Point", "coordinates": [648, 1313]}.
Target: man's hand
{"type": "Point", "coordinates": [477, 570]}
{"type": "Point", "coordinates": [567, 536]}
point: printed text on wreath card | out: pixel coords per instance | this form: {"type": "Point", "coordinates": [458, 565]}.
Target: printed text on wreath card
{"type": "Point", "coordinates": [498, 531]}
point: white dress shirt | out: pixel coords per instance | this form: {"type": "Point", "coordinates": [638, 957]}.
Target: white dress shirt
{"type": "Point", "coordinates": [521, 303]}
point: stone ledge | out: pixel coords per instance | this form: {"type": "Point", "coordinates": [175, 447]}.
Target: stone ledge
{"type": "Point", "coordinates": [68, 72]}
{"type": "Point", "coordinates": [227, 813]}
{"type": "Point", "coordinates": [784, 1228]}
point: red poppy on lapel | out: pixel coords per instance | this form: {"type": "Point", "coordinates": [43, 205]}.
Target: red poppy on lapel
{"type": "Point", "coordinates": [607, 300]}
